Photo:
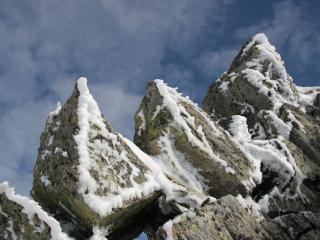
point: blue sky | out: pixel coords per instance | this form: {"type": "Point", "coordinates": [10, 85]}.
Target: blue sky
{"type": "Point", "coordinates": [119, 46]}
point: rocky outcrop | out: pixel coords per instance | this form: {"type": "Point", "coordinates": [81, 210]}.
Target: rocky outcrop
{"type": "Point", "coordinates": [86, 173]}
{"type": "Point", "coordinates": [22, 218]}
{"type": "Point", "coordinates": [226, 218]}
{"type": "Point", "coordinates": [256, 80]}
{"type": "Point", "coordinates": [247, 167]}
{"type": "Point", "coordinates": [191, 147]}
{"type": "Point", "coordinates": [278, 128]}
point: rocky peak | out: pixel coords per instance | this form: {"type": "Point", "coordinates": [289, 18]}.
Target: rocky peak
{"type": "Point", "coordinates": [189, 145]}
{"type": "Point", "coordinates": [84, 164]}
{"type": "Point", "coordinates": [260, 55]}
{"type": "Point", "coordinates": [256, 80]}
{"type": "Point", "coordinates": [272, 119]}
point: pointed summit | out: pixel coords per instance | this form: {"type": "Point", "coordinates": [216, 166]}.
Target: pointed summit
{"type": "Point", "coordinates": [260, 55]}
{"type": "Point", "coordinates": [256, 80]}
{"type": "Point", "coordinates": [86, 171]}
{"type": "Point", "coordinates": [278, 126]}
{"type": "Point", "coordinates": [182, 138]}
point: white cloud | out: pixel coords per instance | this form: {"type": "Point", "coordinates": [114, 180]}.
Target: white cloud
{"type": "Point", "coordinates": [216, 61]}
{"type": "Point", "coordinates": [117, 105]}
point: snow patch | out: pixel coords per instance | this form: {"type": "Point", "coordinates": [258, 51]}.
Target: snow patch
{"type": "Point", "coordinates": [172, 190]}
{"type": "Point", "coordinates": [183, 120]}
{"type": "Point", "coordinates": [54, 113]}
{"type": "Point", "coordinates": [224, 86]}
{"type": "Point", "coordinates": [31, 208]}
{"type": "Point", "coordinates": [142, 127]}
{"type": "Point", "coordinates": [45, 180]}
{"type": "Point", "coordinates": [89, 115]}
{"type": "Point", "coordinates": [99, 233]}
{"type": "Point", "coordinates": [274, 155]}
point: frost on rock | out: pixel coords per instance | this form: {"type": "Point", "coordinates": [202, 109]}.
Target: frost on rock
{"type": "Point", "coordinates": [22, 218]}
{"type": "Point", "coordinates": [257, 77]}
{"type": "Point", "coordinates": [272, 156]}
{"type": "Point", "coordinates": [275, 122]}
{"type": "Point", "coordinates": [124, 176]}
{"type": "Point", "coordinates": [93, 172]}
{"type": "Point", "coordinates": [188, 145]}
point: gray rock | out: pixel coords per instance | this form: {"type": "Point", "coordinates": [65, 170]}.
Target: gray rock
{"type": "Point", "coordinates": [22, 218]}
{"type": "Point", "coordinates": [305, 132]}
{"type": "Point", "coordinates": [118, 174]}
{"type": "Point", "coordinates": [225, 218]}
{"type": "Point", "coordinates": [302, 225]}
{"type": "Point", "coordinates": [256, 80]}
{"type": "Point", "coordinates": [279, 114]}
{"type": "Point", "coordinates": [188, 144]}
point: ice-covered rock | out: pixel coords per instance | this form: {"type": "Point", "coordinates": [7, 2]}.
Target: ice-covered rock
{"type": "Point", "coordinates": [182, 139]}
{"type": "Point", "coordinates": [88, 174]}
{"type": "Point", "coordinates": [23, 218]}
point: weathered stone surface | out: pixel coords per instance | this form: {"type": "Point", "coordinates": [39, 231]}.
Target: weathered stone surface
{"type": "Point", "coordinates": [302, 225]}
{"type": "Point", "coordinates": [313, 108]}
{"type": "Point", "coordinates": [225, 218]}
{"type": "Point", "coordinates": [305, 132]}
{"type": "Point", "coordinates": [255, 81]}
{"type": "Point", "coordinates": [282, 117]}
{"type": "Point", "coordinates": [22, 218]}
{"type": "Point", "coordinates": [188, 144]}
{"type": "Point", "coordinates": [119, 177]}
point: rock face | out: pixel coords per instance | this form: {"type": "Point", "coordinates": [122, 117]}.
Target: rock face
{"type": "Point", "coordinates": [183, 139]}
{"type": "Point", "coordinates": [256, 80]}
{"type": "Point", "coordinates": [226, 218]}
{"type": "Point", "coordinates": [278, 128]}
{"type": "Point", "coordinates": [85, 172]}
{"type": "Point", "coordinates": [22, 218]}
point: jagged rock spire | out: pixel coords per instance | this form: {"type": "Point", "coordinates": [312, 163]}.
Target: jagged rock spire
{"type": "Point", "coordinates": [183, 139]}
{"type": "Point", "coordinates": [86, 170]}
{"type": "Point", "coordinates": [256, 80]}
{"type": "Point", "coordinates": [278, 126]}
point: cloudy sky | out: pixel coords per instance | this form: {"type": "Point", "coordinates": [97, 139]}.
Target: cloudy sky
{"type": "Point", "coordinates": [119, 45]}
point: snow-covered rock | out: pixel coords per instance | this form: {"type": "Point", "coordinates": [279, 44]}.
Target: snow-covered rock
{"type": "Point", "coordinates": [247, 167]}
{"type": "Point", "coordinates": [183, 140]}
{"type": "Point", "coordinates": [87, 173]}
{"type": "Point", "coordinates": [256, 80]}
{"type": "Point", "coordinates": [23, 218]}
{"type": "Point", "coordinates": [276, 123]}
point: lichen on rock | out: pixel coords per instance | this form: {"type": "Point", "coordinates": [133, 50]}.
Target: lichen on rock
{"type": "Point", "coordinates": [190, 146]}
{"type": "Point", "coordinates": [85, 172]}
